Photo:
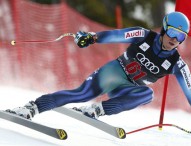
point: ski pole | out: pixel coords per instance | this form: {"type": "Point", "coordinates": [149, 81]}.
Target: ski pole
{"type": "Point", "coordinates": [13, 42]}
{"type": "Point", "coordinates": [172, 125]}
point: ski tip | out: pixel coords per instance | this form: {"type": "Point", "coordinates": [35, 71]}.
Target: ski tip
{"type": "Point", "coordinates": [62, 135]}
{"type": "Point", "coordinates": [121, 133]}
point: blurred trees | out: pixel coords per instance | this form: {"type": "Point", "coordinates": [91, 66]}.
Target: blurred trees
{"type": "Point", "coordinates": [145, 13]}
{"type": "Point", "coordinates": [47, 1]}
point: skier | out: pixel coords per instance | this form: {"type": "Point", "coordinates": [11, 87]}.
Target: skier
{"type": "Point", "coordinates": [150, 57]}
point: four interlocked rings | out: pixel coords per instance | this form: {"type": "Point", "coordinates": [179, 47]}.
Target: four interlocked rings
{"type": "Point", "coordinates": [147, 63]}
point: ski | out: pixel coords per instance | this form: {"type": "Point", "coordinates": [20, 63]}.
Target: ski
{"type": "Point", "coordinates": [53, 132]}
{"type": "Point", "coordinates": [112, 130]}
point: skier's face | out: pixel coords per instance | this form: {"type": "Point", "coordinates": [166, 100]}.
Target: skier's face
{"type": "Point", "coordinates": [173, 37]}
{"type": "Point", "coordinates": [169, 43]}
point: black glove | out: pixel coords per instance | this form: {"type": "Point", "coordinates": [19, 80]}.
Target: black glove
{"type": "Point", "coordinates": [84, 39]}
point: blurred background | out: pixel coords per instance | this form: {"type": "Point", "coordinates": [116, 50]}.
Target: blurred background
{"type": "Point", "coordinates": [48, 67]}
{"type": "Point", "coordinates": [147, 13]}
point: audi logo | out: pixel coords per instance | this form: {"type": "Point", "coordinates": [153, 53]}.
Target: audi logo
{"type": "Point", "coordinates": [147, 63]}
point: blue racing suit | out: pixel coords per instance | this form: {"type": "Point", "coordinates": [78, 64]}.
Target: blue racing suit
{"type": "Point", "coordinates": [125, 78]}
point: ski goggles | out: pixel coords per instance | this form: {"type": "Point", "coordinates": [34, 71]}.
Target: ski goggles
{"type": "Point", "coordinates": [176, 33]}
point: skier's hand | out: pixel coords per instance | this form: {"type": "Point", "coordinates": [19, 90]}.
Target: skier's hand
{"type": "Point", "coordinates": [84, 39]}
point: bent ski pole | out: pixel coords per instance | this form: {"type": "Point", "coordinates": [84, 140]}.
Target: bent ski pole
{"type": "Point", "coordinates": [13, 42]}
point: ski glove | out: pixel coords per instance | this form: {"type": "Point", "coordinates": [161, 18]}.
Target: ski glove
{"type": "Point", "coordinates": [84, 39]}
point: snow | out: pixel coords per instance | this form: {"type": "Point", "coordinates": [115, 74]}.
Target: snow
{"type": "Point", "coordinates": [81, 134]}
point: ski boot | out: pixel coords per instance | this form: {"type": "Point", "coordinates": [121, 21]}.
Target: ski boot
{"type": "Point", "coordinates": [28, 111]}
{"type": "Point", "coordinates": [93, 111]}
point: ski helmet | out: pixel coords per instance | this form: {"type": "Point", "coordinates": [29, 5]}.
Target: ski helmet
{"type": "Point", "coordinates": [177, 20]}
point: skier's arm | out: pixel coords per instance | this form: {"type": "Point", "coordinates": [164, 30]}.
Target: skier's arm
{"type": "Point", "coordinates": [183, 76]}
{"type": "Point", "coordinates": [127, 35]}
